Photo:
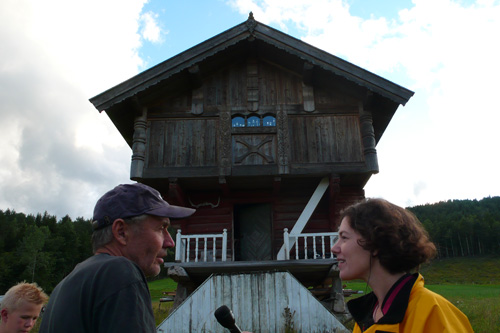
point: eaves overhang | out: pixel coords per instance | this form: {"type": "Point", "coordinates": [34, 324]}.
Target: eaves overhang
{"type": "Point", "coordinates": [251, 29]}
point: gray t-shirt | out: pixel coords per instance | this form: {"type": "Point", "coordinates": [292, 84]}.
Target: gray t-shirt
{"type": "Point", "coordinates": [102, 294]}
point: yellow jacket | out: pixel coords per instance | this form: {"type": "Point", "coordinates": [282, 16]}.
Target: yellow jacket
{"type": "Point", "coordinates": [414, 309]}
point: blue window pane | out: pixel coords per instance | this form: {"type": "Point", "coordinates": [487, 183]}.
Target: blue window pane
{"type": "Point", "coordinates": [238, 122]}
{"type": "Point", "coordinates": [253, 121]}
{"type": "Point", "coordinates": [269, 121]}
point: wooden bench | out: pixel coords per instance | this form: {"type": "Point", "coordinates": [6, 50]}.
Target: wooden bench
{"type": "Point", "coordinates": [169, 297]}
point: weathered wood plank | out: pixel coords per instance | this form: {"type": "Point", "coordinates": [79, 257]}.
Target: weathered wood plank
{"type": "Point", "coordinates": [288, 304]}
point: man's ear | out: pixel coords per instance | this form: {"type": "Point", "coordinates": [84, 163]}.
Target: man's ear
{"type": "Point", "coordinates": [120, 231]}
{"type": "Point", "coordinates": [4, 314]}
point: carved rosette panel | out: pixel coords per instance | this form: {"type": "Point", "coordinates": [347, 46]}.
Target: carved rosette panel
{"type": "Point", "coordinates": [224, 142]}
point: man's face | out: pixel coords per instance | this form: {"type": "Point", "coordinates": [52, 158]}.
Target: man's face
{"type": "Point", "coordinates": [22, 319]}
{"type": "Point", "coordinates": [148, 244]}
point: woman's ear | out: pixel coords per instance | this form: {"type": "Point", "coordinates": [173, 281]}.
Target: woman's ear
{"type": "Point", "coordinates": [120, 231]}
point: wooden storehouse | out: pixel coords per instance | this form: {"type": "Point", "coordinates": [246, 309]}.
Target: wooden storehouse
{"type": "Point", "coordinates": [267, 137]}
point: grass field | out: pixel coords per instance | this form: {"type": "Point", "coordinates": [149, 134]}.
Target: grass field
{"type": "Point", "coordinates": [471, 284]}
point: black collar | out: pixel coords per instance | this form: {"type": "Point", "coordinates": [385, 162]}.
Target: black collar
{"type": "Point", "coordinates": [361, 308]}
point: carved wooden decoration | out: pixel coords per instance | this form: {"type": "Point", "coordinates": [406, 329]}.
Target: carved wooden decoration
{"type": "Point", "coordinates": [252, 85]}
{"type": "Point", "coordinates": [308, 95]}
{"type": "Point", "coordinates": [224, 142]}
{"type": "Point", "coordinates": [368, 139]}
{"type": "Point", "coordinates": [283, 144]}
{"type": "Point", "coordinates": [255, 145]}
{"type": "Point", "coordinates": [139, 145]}
{"type": "Point", "coordinates": [197, 91]}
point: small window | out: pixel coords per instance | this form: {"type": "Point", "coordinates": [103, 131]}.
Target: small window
{"type": "Point", "coordinates": [269, 121]}
{"type": "Point", "coordinates": [253, 121]}
{"type": "Point", "coordinates": [238, 122]}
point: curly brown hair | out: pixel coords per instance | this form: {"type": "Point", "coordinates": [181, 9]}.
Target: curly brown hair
{"type": "Point", "coordinates": [391, 233]}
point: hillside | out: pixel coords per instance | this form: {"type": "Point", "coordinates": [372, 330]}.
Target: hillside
{"type": "Point", "coordinates": [463, 270]}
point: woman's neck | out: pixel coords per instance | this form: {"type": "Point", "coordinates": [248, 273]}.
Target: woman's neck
{"type": "Point", "coordinates": [381, 282]}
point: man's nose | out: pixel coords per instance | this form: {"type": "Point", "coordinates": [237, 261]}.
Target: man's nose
{"type": "Point", "coordinates": [168, 242]}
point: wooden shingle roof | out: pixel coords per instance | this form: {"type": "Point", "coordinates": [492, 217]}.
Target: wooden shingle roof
{"type": "Point", "coordinates": [291, 51]}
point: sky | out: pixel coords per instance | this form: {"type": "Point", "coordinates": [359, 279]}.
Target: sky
{"type": "Point", "coordinates": [58, 154]}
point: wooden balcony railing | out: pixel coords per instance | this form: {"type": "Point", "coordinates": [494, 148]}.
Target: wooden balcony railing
{"type": "Point", "coordinates": [213, 247]}
{"type": "Point", "coordinates": [309, 245]}
{"type": "Point", "coordinates": [204, 247]}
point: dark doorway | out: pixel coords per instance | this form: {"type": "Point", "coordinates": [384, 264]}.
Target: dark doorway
{"type": "Point", "coordinates": [253, 232]}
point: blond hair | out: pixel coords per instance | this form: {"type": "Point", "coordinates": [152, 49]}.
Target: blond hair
{"type": "Point", "coordinates": [28, 292]}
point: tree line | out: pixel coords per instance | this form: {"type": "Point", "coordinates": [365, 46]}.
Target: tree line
{"type": "Point", "coordinates": [42, 249]}
{"type": "Point", "coordinates": [39, 248]}
{"type": "Point", "coordinates": [462, 227]}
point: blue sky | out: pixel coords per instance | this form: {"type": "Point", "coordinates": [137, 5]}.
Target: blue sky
{"type": "Point", "coordinates": [58, 154]}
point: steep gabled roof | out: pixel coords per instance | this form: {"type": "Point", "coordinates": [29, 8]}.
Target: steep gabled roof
{"type": "Point", "coordinates": [252, 30]}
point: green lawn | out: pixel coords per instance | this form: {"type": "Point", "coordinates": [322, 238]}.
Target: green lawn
{"type": "Point", "coordinates": [479, 302]}
{"type": "Point", "coordinates": [472, 284]}
{"type": "Point", "coordinates": [157, 287]}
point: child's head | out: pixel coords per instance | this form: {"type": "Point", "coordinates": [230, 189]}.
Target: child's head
{"type": "Point", "coordinates": [21, 307]}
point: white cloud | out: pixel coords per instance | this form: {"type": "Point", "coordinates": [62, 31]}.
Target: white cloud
{"type": "Point", "coordinates": [441, 145]}
{"type": "Point", "coordinates": [58, 153]}
{"type": "Point", "coordinates": [151, 30]}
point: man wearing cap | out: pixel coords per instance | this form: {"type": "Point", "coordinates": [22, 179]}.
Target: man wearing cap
{"type": "Point", "coordinates": [108, 292]}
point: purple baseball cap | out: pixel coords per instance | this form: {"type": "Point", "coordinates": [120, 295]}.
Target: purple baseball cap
{"type": "Point", "coordinates": [129, 200]}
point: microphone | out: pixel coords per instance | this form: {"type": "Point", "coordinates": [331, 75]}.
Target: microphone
{"type": "Point", "coordinates": [225, 317]}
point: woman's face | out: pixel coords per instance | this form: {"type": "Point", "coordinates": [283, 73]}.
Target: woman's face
{"type": "Point", "coordinates": [354, 261]}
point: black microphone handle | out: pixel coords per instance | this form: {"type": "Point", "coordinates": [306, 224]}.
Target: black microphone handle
{"type": "Point", "coordinates": [235, 329]}
{"type": "Point", "coordinates": [225, 317]}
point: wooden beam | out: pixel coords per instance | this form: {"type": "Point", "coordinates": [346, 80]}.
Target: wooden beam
{"type": "Point", "coordinates": [306, 214]}
{"type": "Point", "coordinates": [368, 137]}
{"type": "Point", "coordinates": [252, 85]}
{"type": "Point", "coordinates": [195, 76]}
{"type": "Point", "coordinates": [196, 90]}
{"type": "Point", "coordinates": [175, 191]}
{"type": "Point", "coordinates": [307, 87]}
{"type": "Point", "coordinates": [334, 192]}
{"type": "Point", "coordinates": [307, 73]}
{"type": "Point", "coordinates": [223, 185]}
{"type": "Point", "coordinates": [308, 97]}
{"type": "Point", "coordinates": [276, 185]}
{"type": "Point", "coordinates": [139, 146]}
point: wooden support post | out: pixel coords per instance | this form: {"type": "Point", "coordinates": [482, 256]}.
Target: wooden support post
{"type": "Point", "coordinates": [368, 136]}
{"type": "Point", "coordinates": [139, 146]}
{"type": "Point", "coordinates": [307, 87]}
{"type": "Point", "coordinates": [175, 191]}
{"type": "Point", "coordinates": [308, 97]}
{"type": "Point", "coordinates": [306, 214]}
{"type": "Point", "coordinates": [196, 90]}
{"type": "Point", "coordinates": [252, 85]}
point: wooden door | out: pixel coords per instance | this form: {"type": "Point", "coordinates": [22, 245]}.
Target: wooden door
{"type": "Point", "coordinates": [253, 232]}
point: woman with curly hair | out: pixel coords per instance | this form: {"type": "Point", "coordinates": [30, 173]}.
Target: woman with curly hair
{"type": "Point", "coordinates": [382, 244]}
